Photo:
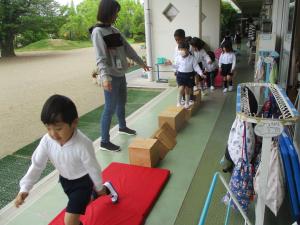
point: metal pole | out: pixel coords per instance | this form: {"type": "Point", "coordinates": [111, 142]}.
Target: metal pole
{"type": "Point", "coordinates": [148, 38]}
{"type": "Point", "coordinates": [208, 200]}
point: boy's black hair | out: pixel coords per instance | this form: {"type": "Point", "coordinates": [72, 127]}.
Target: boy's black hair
{"type": "Point", "coordinates": [106, 10]}
{"type": "Point", "coordinates": [211, 56]}
{"type": "Point", "coordinates": [59, 108]}
{"type": "Point", "coordinates": [184, 45]}
{"type": "Point", "coordinates": [188, 39]}
{"type": "Point", "coordinates": [197, 42]}
{"type": "Point", "coordinates": [179, 33]}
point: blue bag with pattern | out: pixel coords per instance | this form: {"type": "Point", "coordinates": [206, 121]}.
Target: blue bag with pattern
{"type": "Point", "coordinates": [241, 182]}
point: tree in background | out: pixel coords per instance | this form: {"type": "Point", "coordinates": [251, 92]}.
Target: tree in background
{"type": "Point", "coordinates": [228, 18]}
{"type": "Point", "coordinates": [27, 19]}
{"type": "Point", "coordinates": [130, 20]}
{"type": "Point", "coordinates": [79, 20]}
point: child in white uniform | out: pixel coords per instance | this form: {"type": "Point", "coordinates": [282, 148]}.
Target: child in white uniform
{"type": "Point", "coordinates": [186, 66]}
{"type": "Point", "coordinates": [227, 64]}
{"type": "Point", "coordinates": [211, 70]}
{"type": "Point", "coordinates": [201, 57]}
{"type": "Point", "coordinates": [72, 154]}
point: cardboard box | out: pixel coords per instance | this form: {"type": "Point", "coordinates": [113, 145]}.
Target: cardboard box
{"type": "Point", "coordinates": [169, 130]}
{"type": "Point", "coordinates": [166, 140]}
{"type": "Point", "coordinates": [174, 116]}
{"type": "Point", "coordinates": [191, 110]}
{"type": "Point", "coordinates": [144, 152]}
{"type": "Point", "coordinates": [198, 96]}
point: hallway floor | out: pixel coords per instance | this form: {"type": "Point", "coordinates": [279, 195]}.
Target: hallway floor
{"type": "Point", "coordinates": [193, 161]}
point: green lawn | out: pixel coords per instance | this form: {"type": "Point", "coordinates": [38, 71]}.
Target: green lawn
{"type": "Point", "coordinates": [59, 44]}
{"type": "Point", "coordinates": [13, 167]}
{"type": "Point", "coordinates": [55, 44]}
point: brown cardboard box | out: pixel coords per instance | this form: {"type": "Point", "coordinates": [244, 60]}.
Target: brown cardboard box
{"type": "Point", "coordinates": [165, 140]}
{"type": "Point", "coordinates": [144, 152]}
{"type": "Point", "coordinates": [169, 129]}
{"type": "Point", "coordinates": [174, 116]}
{"type": "Point", "coordinates": [198, 96]}
{"type": "Point", "coordinates": [162, 149]}
{"type": "Point", "coordinates": [191, 110]}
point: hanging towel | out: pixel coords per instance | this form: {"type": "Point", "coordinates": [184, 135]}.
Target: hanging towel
{"type": "Point", "coordinates": [274, 73]}
{"type": "Point", "coordinates": [260, 70]}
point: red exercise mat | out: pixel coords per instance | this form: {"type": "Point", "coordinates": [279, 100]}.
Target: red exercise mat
{"type": "Point", "coordinates": [138, 189]}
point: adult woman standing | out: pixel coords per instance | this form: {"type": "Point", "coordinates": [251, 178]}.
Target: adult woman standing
{"type": "Point", "coordinates": [111, 52]}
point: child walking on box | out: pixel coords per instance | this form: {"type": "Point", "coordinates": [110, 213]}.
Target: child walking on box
{"type": "Point", "coordinates": [72, 154]}
{"type": "Point", "coordinates": [186, 66]}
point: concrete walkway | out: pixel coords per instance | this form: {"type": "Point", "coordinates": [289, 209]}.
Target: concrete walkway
{"type": "Point", "coordinates": [29, 79]}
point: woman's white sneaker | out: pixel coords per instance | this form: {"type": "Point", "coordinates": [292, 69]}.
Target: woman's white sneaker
{"type": "Point", "coordinates": [224, 90]}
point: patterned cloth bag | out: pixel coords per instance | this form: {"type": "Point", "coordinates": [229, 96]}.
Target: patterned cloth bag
{"type": "Point", "coordinates": [241, 182]}
{"type": "Point", "coordinates": [275, 190]}
{"type": "Point", "coordinates": [235, 140]}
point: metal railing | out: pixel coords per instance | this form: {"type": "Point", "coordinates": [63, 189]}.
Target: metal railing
{"type": "Point", "coordinates": [232, 199]}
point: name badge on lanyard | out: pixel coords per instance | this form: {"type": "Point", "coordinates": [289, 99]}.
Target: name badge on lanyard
{"type": "Point", "coordinates": [118, 63]}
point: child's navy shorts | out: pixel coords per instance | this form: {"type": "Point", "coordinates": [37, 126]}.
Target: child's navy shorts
{"type": "Point", "coordinates": [226, 69]}
{"type": "Point", "coordinates": [79, 192]}
{"type": "Point", "coordinates": [185, 79]}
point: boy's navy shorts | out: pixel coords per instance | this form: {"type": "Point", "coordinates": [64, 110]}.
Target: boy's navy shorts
{"type": "Point", "coordinates": [185, 79]}
{"type": "Point", "coordinates": [79, 192]}
{"type": "Point", "coordinates": [226, 69]}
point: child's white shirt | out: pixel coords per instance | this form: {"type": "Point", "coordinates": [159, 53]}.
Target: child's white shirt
{"type": "Point", "coordinates": [228, 58]}
{"type": "Point", "coordinates": [201, 56]}
{"type": "Point", "coordinates": [73, 160]}
{"type": "Point", "coordinates": [212, 66]}
{"type": "Point", "coordinates": [187, 64]}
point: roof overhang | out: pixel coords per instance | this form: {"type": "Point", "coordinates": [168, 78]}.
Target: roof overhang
{"type": "Point", "coordinates": [249, 7]}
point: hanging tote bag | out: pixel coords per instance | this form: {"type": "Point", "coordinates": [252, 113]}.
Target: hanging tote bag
{"type": "Point", "coordinates": [235, 140]}
{"type": "Point", "coordinates": [275, 190]}
{"type": "Point", "coordinates": [241, 182]}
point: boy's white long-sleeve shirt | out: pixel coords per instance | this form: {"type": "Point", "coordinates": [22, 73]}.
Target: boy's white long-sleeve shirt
{"type": "Point", "coordinates": [187, 64]}
{"type": "Point", "coordinates": [211, 66]}
{"type": "Point", "coordinates": [228, 58]}
{"type": "Point", "coordinates": [201, 56]}
{"type": "Point", "coordinates": [73, 160]}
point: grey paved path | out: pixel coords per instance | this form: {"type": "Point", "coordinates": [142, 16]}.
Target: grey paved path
{"type": "Point", "coordinates": [29, 79]}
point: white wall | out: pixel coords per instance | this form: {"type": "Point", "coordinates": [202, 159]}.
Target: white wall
{"type": "Point", "coordinates": [163, 43]}
{"type": "Point", "coordinates": [211, 24]}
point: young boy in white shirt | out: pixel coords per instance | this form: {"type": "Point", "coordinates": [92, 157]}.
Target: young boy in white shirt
{"type": "Point", "coordinates": [72, 154]}
{"type": "Point", "coordinates": [186, 66]}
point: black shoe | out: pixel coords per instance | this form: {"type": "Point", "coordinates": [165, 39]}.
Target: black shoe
{"type": "Point", "coordinates": [127, 131]}
{"type": "Point", "coordinates": [228, 169]}
{"type": "Point", "coordinates": [109, 147]}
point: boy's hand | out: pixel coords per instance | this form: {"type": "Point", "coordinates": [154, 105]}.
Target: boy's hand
{"type": "Point", "coordinates": [202, 76]}
{"type": "Point", "coordinates": [20, 199]}
{"type": "Point", "coordinates": [168, 62]}
{"type": "Point", "coordinates": [106, 85]}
